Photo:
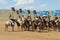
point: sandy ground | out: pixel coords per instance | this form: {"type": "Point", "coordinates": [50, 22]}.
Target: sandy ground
{"type": "Point", "coordinates": [52, 35]}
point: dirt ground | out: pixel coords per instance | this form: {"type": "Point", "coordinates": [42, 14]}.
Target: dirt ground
{"type": "Point", "coordinates": [25, 35]}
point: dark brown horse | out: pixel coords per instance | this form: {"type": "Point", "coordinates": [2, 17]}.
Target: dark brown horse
{"type": "Point", "coordinates": [53, 25]}
{"type": "Point", "coordinates": [33, 25]}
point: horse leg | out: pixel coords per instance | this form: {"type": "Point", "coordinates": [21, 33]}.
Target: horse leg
{"type": "Point", "coordinates": [22, 27]}
{"type": "Point", "coordinates": [12, 28]}
{"type": "Point", "coordinates": [48, 28]}
{"type": "Point", "coordinates": [27, 27]}
{"type": "Point", "coordinates": [59, 28]}
{"type": "Point", "coordinates": [35, 27]}
{"type": "Point", "coordinates": [40, 27]}
{"type": "Point", "coordinates": [32, 26]}
{"type": "Point", "coordinates": [54, 27]}
{"type": "Point", "coordinates": [6, 28]}
{"type": "Point", "coordinates": [19, 28]}
{"type": "Point", "coordinates": [45, 27]}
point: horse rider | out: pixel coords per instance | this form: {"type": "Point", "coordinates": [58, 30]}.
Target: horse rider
{"type": "Point", "coordinates": [29, 20]}
{"type": "Point", "coordinates": [23, 18]}
{"type": "Point", "coordinates": [43, 22]}
{"type": "Point", "coordinates": [23, 21]}
{"type": "Point", "coordinates": [40, 19]}
{"type": "Point", "coordinates": [13, 15]}
{"type": "Point", "coordinates": [56, 21]}
{"type": "Point", "coordinates": [48, 22]}
{"type": "Point", "coordinates": [36, 19]}
{"type": "Point", "coordinates": [12, 20]}
{"type": "Point", "coordinates": [19, 21]}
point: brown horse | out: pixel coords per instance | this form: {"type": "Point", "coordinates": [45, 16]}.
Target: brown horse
{"type": "Point", "coordinates": [40, 26]}
{"type": "Point", "coordinates": [53, 25]}
{"type": "Point", "coordinates": [33, 25]}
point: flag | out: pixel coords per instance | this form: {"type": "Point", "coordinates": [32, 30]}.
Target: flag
{"type": "Point", "coordinates": [37, 14]}
{"type": "Point", "coordinates": [58, 12]}
{"type": "Point", "coordinates": [26, 12]}
{"type": "Point", "coordinates": [21, 13]}
{"type": "Point", "coordinates": [46, 13]}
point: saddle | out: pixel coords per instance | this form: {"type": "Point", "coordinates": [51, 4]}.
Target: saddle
{"type": "Point", "coordinates": [56, 22]}
{"type": "Point", "coordinates": [29, 22]}
{"type": "Point", "coordinates": [36, 22]}
{"type": "Point", "coordinates": [11, 22]}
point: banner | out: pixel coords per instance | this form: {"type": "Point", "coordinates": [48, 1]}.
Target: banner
{"type": "Point", "coordinates": [46, 13]}
{"type": "Point", "coordinates": [58, 12]}
{"type": "Point", "coordinates": [41, 13]}
{"type": "Point", "coordinates": [26, 12]}
{"type": "Point", "coordinates": [37, 14]}
{"type": "Point", "coordinates": [21, 13]}
{"type": "Point", "coordinates": [54, 13]}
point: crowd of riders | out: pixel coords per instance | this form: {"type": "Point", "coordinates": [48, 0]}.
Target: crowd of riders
{"type": "Point", "coordinates": [37, 19]}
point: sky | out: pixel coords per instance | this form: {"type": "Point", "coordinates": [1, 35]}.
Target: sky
{"type": "Point", "coordinates": [30, 4]}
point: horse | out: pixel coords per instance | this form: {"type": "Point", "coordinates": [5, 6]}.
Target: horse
{"type": "Point", "coordinates": [40, 25]}
{"type": "Point", "coordinates": [33, 25]}
{"type": "Point", "coordinates": [48, 23]}
{"type": "Point", "coordinates": [53, 25]}
{"type": "Point", "coordinates": [19, 23]}
{"type": "Point", "coordinates": [37, 24]}
{"type": "Point", "coordinates": [10, 23]}
{"type": "Point", "coordinates": [44, 26]}
{"type": "Point", "coordinates": [59, 26]}
{"type": "Point", "coordinates": [27, 24]}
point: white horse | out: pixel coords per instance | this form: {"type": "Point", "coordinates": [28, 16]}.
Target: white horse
{"type": "Point", "coordinates": [12, 24]}
{"type": "Point", "coordinates": [9, 23]}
